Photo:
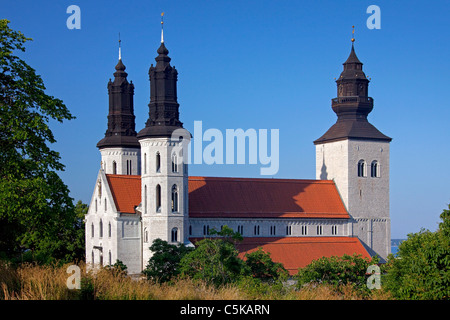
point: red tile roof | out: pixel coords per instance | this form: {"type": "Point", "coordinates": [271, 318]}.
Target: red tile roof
{"type": "Point", "coordinates": [211, 197]}
{"type": "Point", "coordinates": [298, 252]}
{"type": "Point", "coordinates": [126, 191]}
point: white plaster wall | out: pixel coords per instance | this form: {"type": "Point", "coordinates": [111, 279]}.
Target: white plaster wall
{"type": "Point", "coordinates": [120, 156]}
{"type": "Point", "coordinates": [159, 224]}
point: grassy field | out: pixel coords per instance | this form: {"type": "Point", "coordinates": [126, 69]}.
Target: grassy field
{"type": "Point", "coordinates": [33, 282]}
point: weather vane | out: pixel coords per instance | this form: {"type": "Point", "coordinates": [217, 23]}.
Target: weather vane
{"type": "Point", "coordinates": [353, 33]}
{"type": "Point", "coordinates": [120, 51]}
{"type": "Point", "coordinates": [162, 27]}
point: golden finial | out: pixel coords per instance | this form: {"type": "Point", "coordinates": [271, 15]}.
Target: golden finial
{"type": "Point", "coordinates": [353, 33]}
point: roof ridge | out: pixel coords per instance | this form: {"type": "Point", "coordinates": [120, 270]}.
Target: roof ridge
{"type": "Point", "coordinates": [240, 179]}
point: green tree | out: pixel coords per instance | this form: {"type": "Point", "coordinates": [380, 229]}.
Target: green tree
{"type": "Point", "coordinates": [337, 271]}
{"type": "Point", "coordinates": [260, 265]}
{"type": "Point", "coordinates": [421, 269]}
{"type": "Point", "coordinates": [164, 263]}
{"type": "Point", "coordinates": [35, 207]}
{"type": "Point", "coordinates": [214, 259]}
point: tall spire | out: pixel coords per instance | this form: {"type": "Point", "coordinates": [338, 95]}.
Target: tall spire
{"type": "Point", "coordinates": [121, 120]}
{"type": "Point", "coordinates": [163, 107]}
{"type": "Point", "coordinates": [352, 105]}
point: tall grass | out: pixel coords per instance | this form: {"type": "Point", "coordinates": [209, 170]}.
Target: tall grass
{"type": "Point", "coordinates": [34, 282]}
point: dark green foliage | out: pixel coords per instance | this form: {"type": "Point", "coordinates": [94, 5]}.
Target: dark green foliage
{"type": "Point", "coordinates": [163, 265]}
{"type": "Point", "coordinates": [261, 266]}
{"type": "Point", "coordinates": [35, 207]}
{"type": "Point", "coordinates": [337, 271]}
{"type": "Point", "coordinates": [215, 259]}
{"type": "Point", "coordinates": [421, 270]}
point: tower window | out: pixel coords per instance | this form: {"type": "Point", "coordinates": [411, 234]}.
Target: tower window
{"type": "Point", "coordinates": [158, 198]}
{"type": "Point", "coordinates": [106, 207]}
{"type": "Point", "coordinates": [158, 162]}
{"type": "Point", "coordinates": [92, 230]}
{"type": "Point", "coordinates": [361, 168]}
{"type": "Point", "coordinates": [114, 167]}
{"type": "Point", "coordinates": [145, 163]}
{"type": "Point", "coordinates": [174, 163]}
{"type": "Point", "coordinates": [109, 229]}
{"type": "Point", "coordinates": [145, 199]}
{"type": "Point", "coordinates": [174, 235]}
{"type": "Point", "coordinates": [375, 169]}
{"type": "Point", "coordinates": [174, 198]}
{"type": "Point", "coordinates": [101, 228]}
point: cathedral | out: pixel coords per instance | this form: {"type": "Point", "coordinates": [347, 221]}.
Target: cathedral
{"type": "Point", "coordinates": [144, 192]}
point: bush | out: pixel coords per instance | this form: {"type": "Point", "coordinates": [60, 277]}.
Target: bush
{"type": "Point", "coordinates": [164, 264]}
{"type": "Point", "coordinates": [260, 265]}
{"type": "Point", "coordinates": [337, 272]}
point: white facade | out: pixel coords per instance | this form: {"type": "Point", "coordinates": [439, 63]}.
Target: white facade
{"type": "Point", "coordinates": [110, 235]}
{"type": "Point", "coordinates": [360, 169]}
{"type": "Point", "coordinates": [121, 160]}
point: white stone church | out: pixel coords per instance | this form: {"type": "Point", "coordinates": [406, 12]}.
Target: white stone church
{"type": "Point", "coordinates": [142, 191]}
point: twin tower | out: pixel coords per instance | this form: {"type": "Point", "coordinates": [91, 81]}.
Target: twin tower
{"type": "Point", "coordinates": [352, 152]}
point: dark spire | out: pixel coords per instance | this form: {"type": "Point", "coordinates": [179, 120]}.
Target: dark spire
{"type": "Point", "coordinates": [352, 105]}
{"type": "Point", "coordinates": [121, 120]}
{"type": "Point", "coordinates": [163, 107]}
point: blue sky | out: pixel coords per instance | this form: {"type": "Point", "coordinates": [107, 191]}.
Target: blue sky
{"type": "Point", "coordinates": [262, 64]}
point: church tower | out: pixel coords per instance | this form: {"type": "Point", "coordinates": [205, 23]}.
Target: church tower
{"type": "Point", "coordinates": [120, 149]}
{"type": "Point", "coordinates": [164, 176]}
{"type": "Point", "coordinates": [355, 155]}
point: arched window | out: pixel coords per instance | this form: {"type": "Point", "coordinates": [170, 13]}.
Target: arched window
{"type": "Point", "coordinates": [109, 229]}
{"type": "Point", "coordinates": [174, 162]}
{"type": "Point", "coordinates": [92, 254]}
{"type": "Point", "coordinates": [109, 258]}
{"type": "Point", "coordinates": [145, 235]}
{"type": "Point", "coordinates": [95, 205]}
{"type": "Point", "coordinates": [361, 168]}
{"type": "Point", "coordinates": [145, 163]}
{"type": "Point", "coordinates": [114, 166]}
{"type": "Point", "coordinates": [101, 228]}
{"type": "Point", "coordinates": [174, 198]}
{"type": "Point", "coordinates": [374, 169]}
{"type": "Point", "coordinates": [174, 234]}
{"type": "Point", "coordinates": [158, 162]}
{"type": "Point", "coordinates": [92, 230]}
{"type": "Point", "coordinates": [158, 198]}
{"type": "Point", "coordinates": [105, 205]}
{"type": "Point", "coordinates": [145, 199]}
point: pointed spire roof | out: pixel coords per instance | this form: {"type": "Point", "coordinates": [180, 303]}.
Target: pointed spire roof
{"type": "Point", "coordinates": [164, 116]}
{"type": "Point", "coordinates": [352, 105]}
{"type": "Point", "coordinates": [352, 58]}
{"type": "Point", "coordinates": [121, 120]}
